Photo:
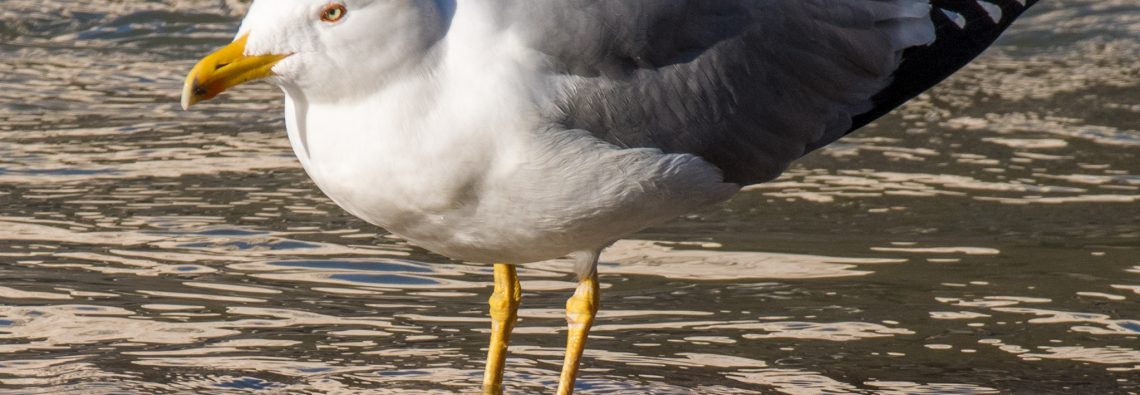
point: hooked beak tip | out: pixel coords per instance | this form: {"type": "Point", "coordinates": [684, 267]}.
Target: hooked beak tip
{"type": "Point", "coordinates": [190, 93]}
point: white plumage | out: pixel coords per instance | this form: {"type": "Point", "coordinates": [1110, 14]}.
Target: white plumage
{"type": "Point", "coordinates": [443, 136]}
{"type": "Point", "coordinates": [457, 157]}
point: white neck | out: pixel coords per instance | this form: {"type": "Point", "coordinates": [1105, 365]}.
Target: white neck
{"type": "Point", "coordinates": [431, 132]}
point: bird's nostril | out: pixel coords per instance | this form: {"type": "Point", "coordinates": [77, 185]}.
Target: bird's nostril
{"type": "Point", "coordinates": [219, 66]}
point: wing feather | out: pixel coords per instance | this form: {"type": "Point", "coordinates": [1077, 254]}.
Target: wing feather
{"type": "Point", "coordinates": [748, 85]}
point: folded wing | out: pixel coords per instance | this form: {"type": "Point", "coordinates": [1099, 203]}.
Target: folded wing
{"type": "Point", "coordinates": [750, 85]}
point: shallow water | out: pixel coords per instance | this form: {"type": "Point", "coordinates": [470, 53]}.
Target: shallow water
{"type": "Point", "coordinates": [983, 239]}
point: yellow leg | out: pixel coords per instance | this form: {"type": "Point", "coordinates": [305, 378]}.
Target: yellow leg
{"type": "Point", "coordinates": [504, 303]}
{"type": "Point", "coordinates": [580, 311]}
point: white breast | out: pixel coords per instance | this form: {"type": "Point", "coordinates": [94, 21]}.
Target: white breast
{"type": "Point", "coordinates": [462, 162]}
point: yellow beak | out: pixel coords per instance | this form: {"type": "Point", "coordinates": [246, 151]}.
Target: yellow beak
{"type": "Point", "coordinates": [224, 69]}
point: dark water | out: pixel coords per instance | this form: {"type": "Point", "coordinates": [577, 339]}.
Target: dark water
{"type": "Point", "coordinates": [983, 239]}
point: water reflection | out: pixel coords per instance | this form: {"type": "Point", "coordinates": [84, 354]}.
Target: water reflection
{"type": "Point", "coordinates": [982, 240]}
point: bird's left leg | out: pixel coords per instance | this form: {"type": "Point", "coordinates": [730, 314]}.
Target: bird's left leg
{"type": "Point", "coordinates": [504, 303]}
{"type": "Point", "coordinates": [580, 311]}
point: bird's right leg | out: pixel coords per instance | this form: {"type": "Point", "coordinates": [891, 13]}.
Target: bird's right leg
{"type": "Point", "coordinates": [580, 312]}
{"type": "Point", "coordinates": [504, 303]}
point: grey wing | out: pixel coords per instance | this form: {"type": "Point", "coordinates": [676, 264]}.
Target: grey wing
{"type": "Point", "coordinates": [748, 85]}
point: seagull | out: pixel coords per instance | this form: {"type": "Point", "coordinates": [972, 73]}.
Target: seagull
{"type": "Point", "coordinates": [514, 131]}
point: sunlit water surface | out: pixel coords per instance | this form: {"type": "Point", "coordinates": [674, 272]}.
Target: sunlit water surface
{"type": "Point", "coordinates": [983, 239]}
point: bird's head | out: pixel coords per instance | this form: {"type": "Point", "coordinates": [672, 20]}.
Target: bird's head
{"type": "Point", "coordinates": [329, 50]}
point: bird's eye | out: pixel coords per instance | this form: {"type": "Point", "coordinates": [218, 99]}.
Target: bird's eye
{"type": "Point", "coordinates": [333, 12]}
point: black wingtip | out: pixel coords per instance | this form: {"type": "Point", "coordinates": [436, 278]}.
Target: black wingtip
{"type": "Point", "coordinates": [964, 29]}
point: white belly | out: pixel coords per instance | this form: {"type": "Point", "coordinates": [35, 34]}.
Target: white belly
{"type": "Point", "coordinates": [491, 196]}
